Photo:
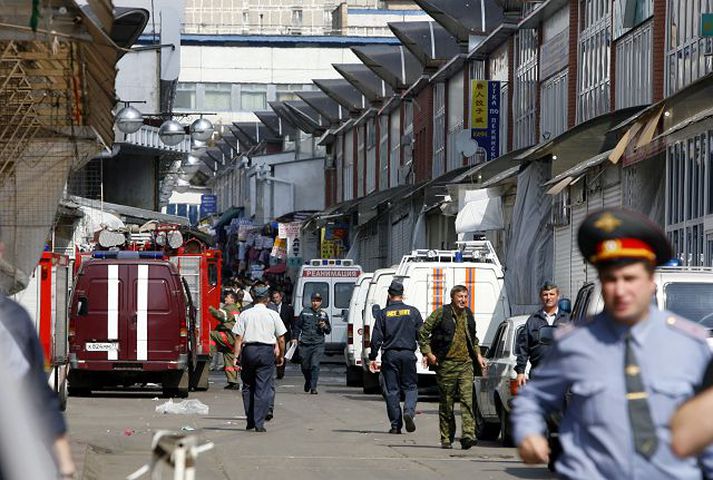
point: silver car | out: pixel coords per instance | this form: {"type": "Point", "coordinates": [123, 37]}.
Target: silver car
{"type": "Point", "coordinates": [494, 390]}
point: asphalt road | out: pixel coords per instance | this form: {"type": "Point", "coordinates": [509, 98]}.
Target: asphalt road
{"type": "Point", "coordinates": [338, 434]}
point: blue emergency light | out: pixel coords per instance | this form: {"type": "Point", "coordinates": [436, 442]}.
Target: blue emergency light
{"type": "Point", "coordinates": [674, 262]}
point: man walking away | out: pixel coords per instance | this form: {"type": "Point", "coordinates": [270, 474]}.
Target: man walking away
{"type": "Point", "coordinates": [310, 329]}
{"type": "Point", "coordinates": [395, 334]}
{"type": "Point", "coordinates": [224, 339]}
{"type": "Point", "coordinates": [448, 341]}
{"type": "Point", "coordinates": [257, 331]}
{"type": "Point", "coordinates": [287, 314]}
{"type": "Point", "coordinates": [529, 348]}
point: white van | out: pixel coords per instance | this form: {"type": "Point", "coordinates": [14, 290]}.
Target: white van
{"type": "Point", "coordinates": [429, 275]}
{"type": "Point", "coordinates": [685, 291]}
{"type": "Point", "coordinates": [355, 324]}
{"type": "Point", "coordinates": [334, 279]}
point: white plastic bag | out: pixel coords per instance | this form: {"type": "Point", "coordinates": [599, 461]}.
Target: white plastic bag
{"type": "Point", "coordinates": [186, 407]}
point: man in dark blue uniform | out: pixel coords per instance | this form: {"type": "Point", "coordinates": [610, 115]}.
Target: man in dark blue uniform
{"type": "Point", "coordinates": [529, 348]}
{"type": "Point", "coordinates": [395, 334]}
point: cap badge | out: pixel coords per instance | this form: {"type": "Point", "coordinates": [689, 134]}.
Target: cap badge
{"type": "Point", "coordinates": [607, 223]}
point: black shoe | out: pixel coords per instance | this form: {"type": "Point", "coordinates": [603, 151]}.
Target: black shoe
{"type": "Point", "coordinates": [306, 387]}
{"type": "Point", "coordinates": [410, 425]}
{"type": "Point", "coordinates": [313, 391]}
{"type": "Point", "coordinates": [260, 429]}
{"type": "Point", "coordinates": [467, 443]}
{"type": "Point", "coordinates": [232, 386]}
{"type": "Point", "coordinates": [446, 446]}
{"type": "Point", "coordinates": [395, 431]}
{"type": "Point", "coordinates": [249, 427]}
{"type": "Point", "coordinates": [269, 416]}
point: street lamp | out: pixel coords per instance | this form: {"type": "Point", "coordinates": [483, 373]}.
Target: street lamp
{"type": "Point", "coordinates": [201, 130]}
{"type": "Point", "coordinates": [171, 133]}
{"type": "Point", "coordinates": [129, 120]}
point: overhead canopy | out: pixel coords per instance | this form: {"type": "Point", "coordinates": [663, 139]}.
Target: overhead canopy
{"type": "Point", "coordinates": [464, 18]}
{"type": "Point", "coordinates": [580, 142]}
{"type": "Point", "coordinates": [245, 140]}
{"type": "Point", "coordinates": [564, 179]}
{"type": "Point", "coordinates": [429, 42]}
{"type": "Point", "coordinates": [225, 147]}
{"type": "Point", "coordinates": [256, 131]}
{"type": "Point", "coordinates": [542, 12]}
{"type": "Point", "coordinates": [309, 120]}
{"type": "Point", "coordinates": [485, 171]}
{"type": "Point", "coordinates": [289, 117]}
{"type": "Point", "coordinates": [342, 92]}
{"type": "Point", "coordinates": [394, 64]}
{"type": "Point", "coordinates": [274, 122]}
{"type": "Point", "coordinates": [128, 25]}
{"type": "Point", "coordinates": [132, 215]}
{"type": "Point", "coordinates": [232, 140]}
{"type": "Point", "coordinates": [493, 41]}
{"type": "Point", "coordinates": [373, 87]}
{"type": "Point", "coordinates": [324, 104]}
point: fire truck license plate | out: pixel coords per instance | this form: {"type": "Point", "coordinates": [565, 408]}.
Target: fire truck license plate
{"type": "Point", "coordinates": [102, 347]}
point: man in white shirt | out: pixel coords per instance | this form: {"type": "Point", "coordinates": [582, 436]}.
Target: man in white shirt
{"type": "Point", "coordinates": [257, 331]}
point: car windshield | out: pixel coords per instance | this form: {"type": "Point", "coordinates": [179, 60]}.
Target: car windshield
{"type": "Point", "coordinates": [693, 301]}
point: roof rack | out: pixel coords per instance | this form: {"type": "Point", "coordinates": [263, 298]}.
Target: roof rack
{"type": "Point", "coordinates": [682, 268]}
{"type": "Point", "coordinates": [478, 251]}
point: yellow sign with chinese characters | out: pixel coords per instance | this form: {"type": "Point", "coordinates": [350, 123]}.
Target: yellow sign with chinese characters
{"type": "Point", "coordinates": [479, 104]}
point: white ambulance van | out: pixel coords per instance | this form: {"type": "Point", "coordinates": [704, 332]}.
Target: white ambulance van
{"type": "Point", "coordinates": [334, 279]}
{"type": "Point", "coordinates": [355, 324]}
{"type": "Point", "coordinates": [429, 275]}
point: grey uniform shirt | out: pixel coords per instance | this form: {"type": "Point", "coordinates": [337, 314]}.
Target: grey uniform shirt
{"type": "Point", "coordinates": [595, 432]}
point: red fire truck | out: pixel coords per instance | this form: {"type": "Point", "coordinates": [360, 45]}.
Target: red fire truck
{"type": "Point", "coordinates": [45, 298]}
{"type": "Point", "coordinates": [200, 270]}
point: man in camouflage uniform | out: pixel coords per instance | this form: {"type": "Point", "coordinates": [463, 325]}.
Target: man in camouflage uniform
{"type": "Point", "coordinates": [449, 344]}
{"type": "Point", "coordinates": [224, 339]}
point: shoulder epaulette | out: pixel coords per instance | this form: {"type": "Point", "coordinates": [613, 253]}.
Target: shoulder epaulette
{"type": "Point", "coordinates": [689, 328]}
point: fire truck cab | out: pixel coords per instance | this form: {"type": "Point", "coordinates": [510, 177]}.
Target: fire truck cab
{"type": "Point", "coordinates": [131, 320]}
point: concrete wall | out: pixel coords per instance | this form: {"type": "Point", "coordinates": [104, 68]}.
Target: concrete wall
{"type": "Point", "coordinates": [308, 177]}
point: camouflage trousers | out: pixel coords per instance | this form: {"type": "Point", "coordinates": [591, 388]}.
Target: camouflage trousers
{"type": "Point", "coordinates": [224, 343]}
{"type": "Point", "coordinates": [455, 379]}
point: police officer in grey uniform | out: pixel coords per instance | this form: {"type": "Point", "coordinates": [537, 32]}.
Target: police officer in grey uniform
{"type": "Point", "coordinates": [309, 329]}
{"type": "Point", "coordinates": [395, 334]}
{"type": "Point", "coordinates": [627, 369]}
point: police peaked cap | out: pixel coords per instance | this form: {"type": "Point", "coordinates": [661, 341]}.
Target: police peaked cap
{"type": "Point", "coordinates": [614, 234]}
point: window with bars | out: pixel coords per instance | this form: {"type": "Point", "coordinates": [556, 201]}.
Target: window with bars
{"type": "Point", "coordinates": [686, 50]}
{"type": "Point", "coordinates": [395, 138]}
{"type": "Point", "coordinates": [633, 68]}
{"type": "Point", "coordinates": [361, 154]}
{"type": "Point", "coordinates": [439, 129]}
{"type": "Point", "coordinates": [407, 146]}
{"type": "Point", "coordinates": [553, 109]}
{"type": "Point", "coordinates": [371, 155]}
{"type": "Point", "coordinates": [689, 182]}
{"type": "Point", "coordinates": [594, 52]}
{"type": "Point", "coordinates": [455, 121]}
{"type": "Point", "coordinates": [525, 88]}
{"type": "Point", "coordinates": [384, 152]}
{"type": "Point", "coordinates": [349, 165]}
{"type": "Point", "coordinates": [339, 167]}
